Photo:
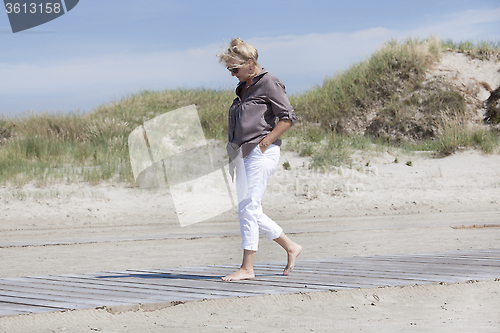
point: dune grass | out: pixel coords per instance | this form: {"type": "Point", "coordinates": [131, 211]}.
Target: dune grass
{"type": "Point", "coordinates": [483, 50]}
{"type": "Point", "coordinates": [71, 147]}
{"type": "Point", "coordinates": [391, 71]}
{"type": "Point", "coordinates": [390, 87]}
{"type": "Point", "coordinates": [388, 91]}
{"type": "Point", "coordinates": [459, 133]}
{"type": "Point", "coordinates": [93, 147]}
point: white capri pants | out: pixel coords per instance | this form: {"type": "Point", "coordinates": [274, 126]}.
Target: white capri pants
{"type": "Point", "coordinates": [258, 169]}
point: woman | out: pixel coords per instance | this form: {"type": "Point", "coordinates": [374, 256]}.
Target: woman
{"type": "Point", "coordinates": [253, 135]}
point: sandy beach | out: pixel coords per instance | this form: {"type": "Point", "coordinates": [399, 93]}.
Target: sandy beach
{"type": "Point", "coordinates": [386, 202]}
{"type": "Point", "coordinates": [434, 205]}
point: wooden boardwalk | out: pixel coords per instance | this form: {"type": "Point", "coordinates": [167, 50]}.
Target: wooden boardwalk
{"type": "Point", "coordinates": [156, 288]}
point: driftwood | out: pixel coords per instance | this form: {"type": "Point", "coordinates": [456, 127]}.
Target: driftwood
{"type": "Point", "coordinates": [493, 107]}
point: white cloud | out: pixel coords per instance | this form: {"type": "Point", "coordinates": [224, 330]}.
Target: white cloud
{"type": "Point", "coordinates": [135, 70]}
{"type": "Point", "coordinates": [475, 17]}
{"type": "Point", "coordinates": [303, 60]}
{"type": "Point", "coordinates": [286, 55]}
{"type": "Point", "coordinates": [318, 53]}
{"type": "Point", "coordinates": [465, 25]}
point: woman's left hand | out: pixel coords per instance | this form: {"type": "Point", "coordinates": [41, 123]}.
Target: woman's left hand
{"type": "Point", "coordinates": [281, 127]}
{"type": "Point", "coordinates": [263, 146]}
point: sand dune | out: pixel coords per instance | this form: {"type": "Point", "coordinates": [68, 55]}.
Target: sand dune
{"type": "Point", "coordinates": [434, 205]}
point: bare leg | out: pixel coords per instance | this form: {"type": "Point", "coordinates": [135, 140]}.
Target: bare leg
{"type": "Point", "coordinates": [246, 270]}
{"type": "Point", "coordinates": [292, 249]}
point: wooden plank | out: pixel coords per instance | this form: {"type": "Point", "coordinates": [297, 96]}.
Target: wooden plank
{"type": "Point", "coordinates": [426, 274]}
{"type": "Point", "coordinates": [478, 262]}
{"type": "Point", "coordinates": [23, 308]}
{"type": "Point", "coordinates": [450, 261]}
{"type": "Point", "coordinates": [415, 269]}
{"type": "Point", "coordinates": [92, 288]}
{"type": "Point", "coordinates": [416, 264]}
{"type": "Point", "coordinates": [52, 293]}
{"type": "Point", "coordinates": [363, 271]}
{"type": "Point", "coordinates": [262, 278]}
{"type": "Point", "coordinates": [394, 273]}
{"type": "Point", "coordinates": [404, 259]}
{"type": "Point", "coordinates": [87, 297]}
{"type": "Point", "coordinates": [166, 295]}
{"type": "Point", "coordinates": [161, 285]}
{"type": "Point", "coordinates": [451, 255]}
{"type": "Point", "coordinates": [235, 287]}
{"type": "Point", "coordinates": [449, 269]}
{"type": "Point", "coordinates": [39, 302]}
{"type": "Point", "coordinates": [381, 275]}
{"type": "Point", "coordinates": [13, 311]}
{"type": "Point", "coordinates": [7, 309]}
{"type": "Point", "coordinates": [303, 280]}
{"type": "Point", "coordinates": [466, 254]}
{"type": "Point", "coordinates": [67, 284]}
{"type": "Point", "coordinates": [67, 301]}
{"type": "Point", "coordinates": [289, 285]}
{"type": "Point", "coordinates": [199, 290]}
{"type": "Point", "coordinates": [215, 283]}
{"type": "Point", "coordinates": [312, 275]}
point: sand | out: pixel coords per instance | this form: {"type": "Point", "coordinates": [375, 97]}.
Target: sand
{"type": "Point", "coordinates": [389, 208]}
{"type": "Point", "coordinates": [375, 207]}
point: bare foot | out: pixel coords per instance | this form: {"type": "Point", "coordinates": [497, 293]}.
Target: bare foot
{"type": "Point", "coordinates": [292, 255]}
{"type": "Point", "coordinates": [240, 274]}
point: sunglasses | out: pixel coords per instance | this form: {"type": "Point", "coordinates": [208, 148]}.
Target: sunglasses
{"type": "Point", "coordinates": [233, 69]}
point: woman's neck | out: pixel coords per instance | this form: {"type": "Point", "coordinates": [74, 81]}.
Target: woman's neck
{"type": "Point", "coordinates": [256, 71]}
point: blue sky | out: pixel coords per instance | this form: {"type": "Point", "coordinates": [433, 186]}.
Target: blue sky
{"type": "Point", "coordinates": [105, 50]}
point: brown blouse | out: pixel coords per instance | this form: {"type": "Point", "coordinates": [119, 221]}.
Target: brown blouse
{"type": "Point", "coordinates": [253, 114]}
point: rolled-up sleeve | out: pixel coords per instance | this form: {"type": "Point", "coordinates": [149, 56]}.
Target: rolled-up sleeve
{"type": "Point", "coordinates": [278, 100]}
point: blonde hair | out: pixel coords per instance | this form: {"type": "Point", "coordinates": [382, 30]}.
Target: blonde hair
{"type": "Point", "coordinates": [239, 50]}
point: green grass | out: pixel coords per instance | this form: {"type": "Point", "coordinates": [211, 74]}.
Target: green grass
{"type": "Point", "coordinates": [93, 147]}
{"type": "Point", "coordinates": [457, 133]}
{"type": "Point", "coordinates": [391, 88]}
{"type": "Point", "coordinates": [483, 50]}
{"type": "Point", "coordinates": [393, 71]}
{"type": "Point", "coordinates": [389, 91]}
